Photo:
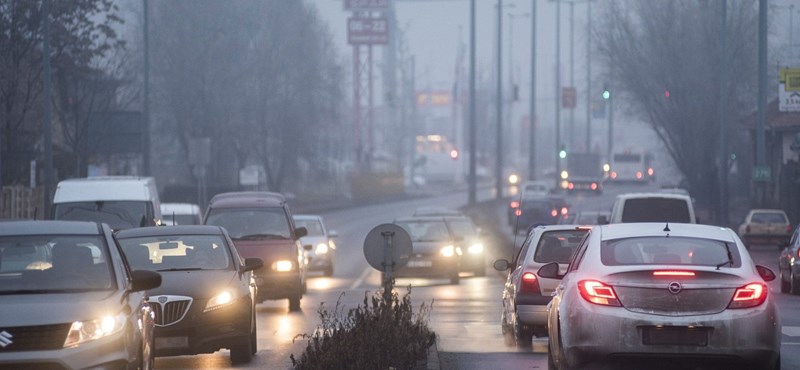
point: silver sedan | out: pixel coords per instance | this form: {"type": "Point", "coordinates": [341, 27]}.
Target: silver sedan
{"type": "Point", "coordinates": [662, 290]}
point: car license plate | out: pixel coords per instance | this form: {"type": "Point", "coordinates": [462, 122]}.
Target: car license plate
{"type": "Point", "coordinates": [420, 263]}
{"type": "Point", "coordinates": [172, 342]}
{"type": "Point", "coordinates": [674, 335]}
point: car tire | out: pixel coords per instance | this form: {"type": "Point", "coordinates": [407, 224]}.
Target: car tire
{"type": "Point", "coordinates": [523, 334]}
{"type": "Point", "coordinates": [794, 285]}
{"type": "Point", "coordinates": [785, 286]}
{"type": "Point", "coordinates": [243, 352]}
{"type": "Point", "coordinates": [508, 332]}
{"type": "Point", "coordinates": [294, 303]}
{"type": "Point", "coordinates": [551, 365]}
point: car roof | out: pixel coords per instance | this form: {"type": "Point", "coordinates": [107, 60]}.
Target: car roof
{"type": "Point", "coordinates": [767, 211]}
{"type": "Point", "coordinates": [169, 230]}
{"type": "Point", "coordinates": [179, 208]}
{"type": "Point", "coordinates": [307, 217]}
{"type": "Point", "coordinates": [240, 199]}
{"type": "Point", "coordinates": [28, 227]}
{"type": "Point", "coordinates": [653, 195]}
{"type": "Point", "coordinates": [640, 229]}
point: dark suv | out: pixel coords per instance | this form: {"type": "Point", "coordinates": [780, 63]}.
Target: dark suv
{"type": "Point", "coordinates": [261, 226]}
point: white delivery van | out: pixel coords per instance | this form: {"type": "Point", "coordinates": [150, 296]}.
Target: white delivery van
{"type": "Point", "coordinates": [122, 202]}
{"type": "Point", "coordinates": [653, 207]}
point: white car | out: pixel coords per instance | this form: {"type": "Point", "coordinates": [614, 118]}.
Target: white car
{"type": "Point", "coordinates": [322, 249]}
{"type": "Point", "coordinates": [181, 214]}
{"type": "Point", "coordinates": [680, 292]}
{"type": "Point", "coordinates": [653, 207]}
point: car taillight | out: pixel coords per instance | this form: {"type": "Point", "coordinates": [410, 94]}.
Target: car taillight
{"type": "Point", "coordinates": [594, 186]}
{"type": "Point", "coordinates": [638, 175]}
{"type": "Point", "coordinates": [554, 213]}
{"type": "Point", "coordinates": [673, 273]}
{"type": "Point", "coordinates": [571, 186]}
{"type": "Point", "coordinates": [750, 295]}
{"type": "Point", "coordinates": [788, 229]}
{"type": "Point", "coordinates": [514, 204]}
{"type": "Point", "coordinates": [564, 211]}
{"type": "Point", "coordinates": [518, 212]}
{"type": "Point", "coordinates": [529, 284]}
{"type": "Point", "coordinates": [598, 293]}
{"type": "Point", "coordinates": [613, 175]}
{"type": "Point", "coordinates": [798, 252]}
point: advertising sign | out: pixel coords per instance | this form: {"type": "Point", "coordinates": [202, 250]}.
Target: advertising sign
{"type": "Point", "coordinates": [789, 90]}
{"type": "Point", "coordinates": [367, 31]}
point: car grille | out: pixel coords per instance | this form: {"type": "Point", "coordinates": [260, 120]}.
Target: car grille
{"type": "Point", "coordinates": [169, 309]}
{"type": "Point", "coordinates": [33, 338]}
{"type": "Point", "coordinates": [662, 302]}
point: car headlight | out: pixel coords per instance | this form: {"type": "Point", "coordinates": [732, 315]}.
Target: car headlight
{"type": "Point", "coordinates": [282, 265]}
{"type": "Point", "coordinates": [448, 251]}
{"type": "Point", "coordinates": [322, 248]}
{"type": "Point", "coordinates": [218, 301]}
{"type": "Point", "coordinates": [476, 248]}
{"type": "Point", "coordinates": [85, 331]}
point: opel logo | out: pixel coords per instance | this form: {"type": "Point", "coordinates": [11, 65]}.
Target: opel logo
{"type": "Point", "coordinates": [163, 298]}
{"type": "Point", "coordinates": [5, 338]}
{"type": "Point", "coordinates": [675, 287]}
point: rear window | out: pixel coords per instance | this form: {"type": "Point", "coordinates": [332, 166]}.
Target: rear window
{"type": "Point", "coordinates": [768, 218]}
{"type": "Point", "coordinates": [656, 210]}
{"type": "Point", "coordinates": [314, 227]}
{"type": "Point", "coordinates": [252, 223]}
{"type": "Point", "coordinates": [668, 251]}
{"type": "Point", "coordinates": [558, 246]}
{"type": "Point", "coordinates": [117, 214]}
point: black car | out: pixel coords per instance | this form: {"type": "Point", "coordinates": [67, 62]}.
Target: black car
{"type": "Point", "coordinates": [436, 251]}
{"type": "Point", "coordinates": [540, 211]}
{"type": "Point", "coordinates": [69, 300]}
{"type": "Point", "coordinates": [206, 301]}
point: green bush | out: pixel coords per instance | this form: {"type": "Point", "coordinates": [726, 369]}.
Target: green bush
{"type": "Point", "coordinates": [375, 335]}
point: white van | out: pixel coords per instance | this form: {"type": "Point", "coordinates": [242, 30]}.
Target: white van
{"type": "Point", "coordinates": [122, 202]}
{"type": "Point", "coordinates": [181, 214]}
{"type": "Point", "coordinates": [653, 207]}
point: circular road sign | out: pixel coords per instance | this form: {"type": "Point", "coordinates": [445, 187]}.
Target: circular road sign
{"type": "Point", "coordinates": [387, 242]}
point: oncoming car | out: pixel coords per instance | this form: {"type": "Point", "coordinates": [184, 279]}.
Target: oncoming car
{"type": "Point", "coordinates": [207, 298]}
{"type": "Point", "coordinates": [436, 252]}
{"type": "Point", "coordinates": [69, 300]}
{"type": "Point", "coordinates": [676, 291]}
{"type": "Point", "coordinates": [318, 243]}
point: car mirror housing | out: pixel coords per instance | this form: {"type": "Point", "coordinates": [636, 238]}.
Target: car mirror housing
{"type": "Point", "coordinates": [765, 273]}
{"type": "Point", "coordinates": [549, 271]}
{"type": "Point", "coordinates": [253, 263]}
{"type": "Point", "coordinates": [501, 265]}
{"type": "Point", "coordinates": [300, 232]}
{"type": "Point", "coordinates": [145, 280]}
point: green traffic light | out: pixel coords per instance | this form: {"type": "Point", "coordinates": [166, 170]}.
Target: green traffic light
{"type": "Point", "coordinates": [606, 94]}
{"type": "Point", "coordinates": [562, 154]}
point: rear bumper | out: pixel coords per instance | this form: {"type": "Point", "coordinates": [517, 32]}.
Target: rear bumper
{"type": "Point", "coordinates": [777, 239]}
{"type": "Point", "coordinates": [278, 286]}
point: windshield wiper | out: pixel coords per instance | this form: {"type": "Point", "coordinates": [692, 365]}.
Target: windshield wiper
{"type": "Point", "coordinates": [730, 257]}
{"type": "Point", "coordinates": [181, 269]}
{"type": "Point", "coordinates": [261, 237]}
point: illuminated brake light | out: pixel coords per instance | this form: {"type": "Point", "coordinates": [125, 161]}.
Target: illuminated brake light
{"type": "Point", "coordinates": [638, 175]}
{"type": "Point", "coordinates": [530, 284]}
{"type": "Point", "coordinates": [514, 204]}
{"type": "Point", "coordinates": [554, 213]}
{"type": "Point", "coordinates": [798, 253]}
{"type": "Point", "coordinates": [594, 186]}
{"type": "Point", "coordinates": [650, 171]}
{"type": "Point", "coordinates": [518, 212]}
{"type": "Point", "coordinates": [564, 211]}
{"type": "Point", "coordinates": [789, 229]}
{"type": "Point", "coordinates": [598, 293]}
{"type": "Point", "coordinates": [613, 175]}
{"type": "Point", "coordinates": [750, 295]}
{"type": "Point", "coordinates": [673, 273]}
{"type": "Point", "coordinates": [571, 186]}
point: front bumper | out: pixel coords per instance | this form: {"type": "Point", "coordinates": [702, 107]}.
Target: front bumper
{"type": "Point", "coordinates": [429, 265]}
{"type": "Point", "coordinates": [320, 262]}
{"type": "Point", "coordinates": [205, 332]}
{"type": "Point", "coordinates": [109, 353]}
{"type": "Point", "coordinates": [590, 332]}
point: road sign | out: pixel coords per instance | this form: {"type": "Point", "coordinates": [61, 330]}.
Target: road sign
{"type": "Point", "coordinates": [366, 5]}
{"type": "Point", "coordinates": [762, 173]}
{"type": "Point", "coordinates": [367, 31]}
{"type": "Point", "coordinates": [789, 90]}
{"type": "Point", "coordinates": [569, 98]}
{"type": "Point", "coordinates": [387, 247]}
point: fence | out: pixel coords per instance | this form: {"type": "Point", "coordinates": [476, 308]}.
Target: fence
{"type": "Point", "coordinates": [22, 202]}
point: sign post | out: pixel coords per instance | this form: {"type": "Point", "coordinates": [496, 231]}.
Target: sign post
{"type": "Point", "coordinates": [387, 247]}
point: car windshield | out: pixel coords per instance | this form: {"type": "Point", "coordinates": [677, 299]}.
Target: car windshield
{"type": "Point", "coordinates": [313, 226]}
{"type": "Point", "coordinates": [669, 251]}
{"type": "Point", "coordinates": [117, 214]}
{"type": "Point", "coordinates": [768, 218]}
{"type": "Point", "coordinates": [558, 246]}
{"type": "Point", "coordinates": [53, 264]}
{"type": "Point", "coordinates": [252, 223]}
{"type": "Point", "coordinates": [425, 231]}
{"type": "Point", "coordinates": [177, 252]}
{"type": "Point", "coordinates": [462, 228]}
{"type": "Point", "coordinates": [656, 210]}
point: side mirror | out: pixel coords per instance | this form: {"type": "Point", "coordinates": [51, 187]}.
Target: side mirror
{"type": "Point", "coordinates": [501, 265]}
{"type": "Point", "coordinates": [145, 280]}
{"type": "Point", "coordinates": [253, 263]}
{"type": "Point", "coordinates": [765, 273]}
{"type": "Point", "coordinates": [308, 247]}
{"type": "Point", "coordinates": [300, 232]}
{"type": "Point", "coordinates": [602, 220]}
{"type": "Point", "coordinates": [333, 234]}
{"type": "Point", "coordinates": [549, 271]}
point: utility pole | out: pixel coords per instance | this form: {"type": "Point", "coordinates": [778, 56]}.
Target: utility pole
{"type": "Point", "coordinates": [723, 107]}
{"type": "Point", "coordinates": [761, 187]}
{"type": "Point", "coordinates": [146, 93]}
{"type": "Point", "coordinates": [532, 114]}
{"type": "Point", "coordinates": [572, 71]}
{"type": "Point", "coordinates": [473, 152]}
{"type": "Point", "coordinates": [558, 96]}
{"type": "Point", "coordinates": [610, 100]}
{"type": "Point", "coordinates": [499, 102]}
{"type": "Point", "coordinates": [588, 77]}
{"type": "Point", "coordinates": [48, 123]}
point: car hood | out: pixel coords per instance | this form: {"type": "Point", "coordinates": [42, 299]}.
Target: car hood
{"type": "Point", "coordinates": [428, 247]}
{"type": "Point", "coordinates": [197, 284]}
{"type": "Point", "coordinates": [267, 250]}
{"type": "Point", "coordinates": [47, 309]}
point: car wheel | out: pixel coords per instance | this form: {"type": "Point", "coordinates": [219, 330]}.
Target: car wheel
{"type": "Point", "coordinates": [294, 303]}
{"type": "Point", "coordinates": [551, 365]}
{"type": "Point", "coordinates": [794, 285]}
{"type": "Point", "coordinates": [523, 334]}
{"type": "Point", "coordinates": [784, 284]}
{"type": "Point", "coordinates": [508, 332]}
{"type": "Point", "coordinates": [242, 353]}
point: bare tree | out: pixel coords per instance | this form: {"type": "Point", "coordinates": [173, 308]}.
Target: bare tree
{"type": "Point", "coordinates": [662, 58]}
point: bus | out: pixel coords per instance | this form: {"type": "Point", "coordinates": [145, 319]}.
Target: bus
{"type": "Point", "coordinates": [635, 167]}
{"type": "Point", "coordinates": [437, 160]}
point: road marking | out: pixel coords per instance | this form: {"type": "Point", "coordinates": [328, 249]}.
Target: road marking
{"type": "Point", "coordinates": [361, 278]}
{"type": "Point", "coordinates": [792, 331]}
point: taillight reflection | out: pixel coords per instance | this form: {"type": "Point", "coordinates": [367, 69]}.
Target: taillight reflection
{"type": "Point", "coordinates": [598, 293]}
{"type": "Point", "coordinates": [750, 295]}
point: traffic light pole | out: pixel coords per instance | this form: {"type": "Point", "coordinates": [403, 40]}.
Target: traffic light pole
{"type": "Point", "coordinates": [499, 154]}
{"type": "Point", "coordinates": [557, 144]}
{"type": "Point", "coordinates": [532, 115]}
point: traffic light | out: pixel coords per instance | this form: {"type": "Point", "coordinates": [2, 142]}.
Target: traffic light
{"type": "Point", "coordinates": [563, 152]}
{"type": "Point", "coordinates": [606, 92]}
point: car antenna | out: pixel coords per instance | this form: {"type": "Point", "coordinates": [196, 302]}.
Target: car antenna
{"type": "Point", "coordinates": [666, 228]}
